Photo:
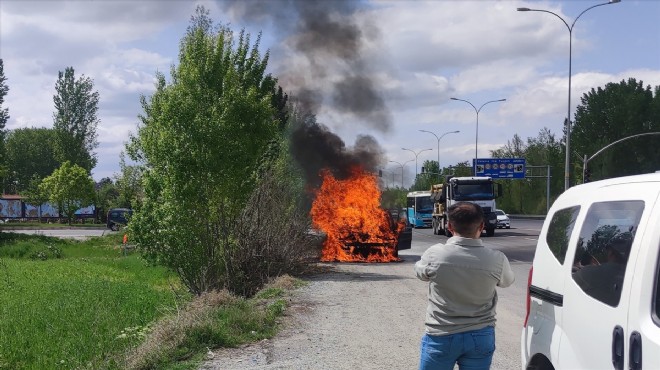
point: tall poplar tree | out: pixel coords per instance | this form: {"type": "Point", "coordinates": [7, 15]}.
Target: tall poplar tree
{"type": "Point", "coordinates": [4, 89]}
{"type": "Point", "coordinates": [201, 136]}
{"type": "Point", "coordinates": [75, 119]}
{"type": "Point", "coordinates": [4, 117]}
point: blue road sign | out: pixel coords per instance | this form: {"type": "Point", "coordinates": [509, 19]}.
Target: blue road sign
{"type": "Point", "coordinates": [501, 168]}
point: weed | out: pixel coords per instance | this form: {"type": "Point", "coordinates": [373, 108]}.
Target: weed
{"type": "Point", "coordinates": [44, 254]}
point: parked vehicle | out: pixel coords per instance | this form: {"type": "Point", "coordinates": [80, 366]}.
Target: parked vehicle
{"type": "Point", "coordinates": [593, 291]}
{"type": "Point", "coordinates": [502, 219]}
{"type": "Point", "coordinates": [118, 217]}
{"type": "Point", "coordinates": [479, 190]}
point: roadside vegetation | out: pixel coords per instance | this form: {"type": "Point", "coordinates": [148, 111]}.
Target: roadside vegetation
{"type": "Point", "coordinates": [219, 217]}
{"type": "Point", "coordinates": [72, 304]}
{"type": "Point", "coordinates": [66, 303]}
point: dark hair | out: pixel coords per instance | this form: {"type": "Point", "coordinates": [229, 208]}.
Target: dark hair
{"type": "Point", "coordinates": [465, 217]}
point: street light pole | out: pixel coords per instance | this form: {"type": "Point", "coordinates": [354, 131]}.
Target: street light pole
{"type": "Point", "coordinates": [416, 154]}
{"type": "Point", "coordinates": [567, 164]}
{"type": "Point", "coordinates": [438, 138]}
{"type": "Point", "coordinates": [587, 158]}
{"type": "Point", "coordinates": [404, 163]}
{"type": "Point", "coordinates": [476, 138]}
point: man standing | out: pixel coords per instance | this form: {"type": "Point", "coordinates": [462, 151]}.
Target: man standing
{"type": "Point", "coordinates": [462, 276]}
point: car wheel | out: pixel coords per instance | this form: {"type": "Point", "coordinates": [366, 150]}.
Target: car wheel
{"type": "Point", "coordinates": [508, 227]}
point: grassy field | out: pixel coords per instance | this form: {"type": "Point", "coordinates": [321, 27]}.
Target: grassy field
{"type": "Point", "coordinates": [66, 303]}
{"type": "Point", "coordinates": [84, 305]}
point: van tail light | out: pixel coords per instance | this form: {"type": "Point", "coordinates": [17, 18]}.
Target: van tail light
{"type": "Point", "coordinates": [529, 299]}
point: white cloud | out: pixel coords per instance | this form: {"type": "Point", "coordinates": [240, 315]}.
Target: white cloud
{"type": "Point", "coordinates": [425, 53]}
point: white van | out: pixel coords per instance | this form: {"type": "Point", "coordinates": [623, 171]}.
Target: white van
{"type": "Point", "coordinates": [593, 298]}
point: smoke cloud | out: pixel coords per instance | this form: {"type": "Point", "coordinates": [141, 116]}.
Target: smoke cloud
{"type": "Point", "coordinates": [324, 57]}
{"type": "Point", "coordinates": [322, 64]}
{"type": "Point", "coordinates": [316, 148]}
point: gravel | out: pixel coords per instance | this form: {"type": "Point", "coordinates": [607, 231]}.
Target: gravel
{"type": "Point", "coordinates": [357, 316]}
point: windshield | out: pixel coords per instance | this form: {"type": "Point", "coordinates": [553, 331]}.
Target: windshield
{"type": "Point", "coordinates": [499, 213]}
{"type": "Point", "coordinates": [424, 204]}
{"type": "Point", "coordinates": [473, 191]}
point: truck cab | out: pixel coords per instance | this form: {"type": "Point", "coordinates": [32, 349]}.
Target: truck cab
{"type": "Point", "coordinates": [480, 190]}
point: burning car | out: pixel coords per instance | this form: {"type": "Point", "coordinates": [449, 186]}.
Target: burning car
{"type": "Point", "coordinates": [357, 229]}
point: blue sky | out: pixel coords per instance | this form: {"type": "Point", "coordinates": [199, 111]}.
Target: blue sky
{"type": "Point", "coordinates": [419, 54]}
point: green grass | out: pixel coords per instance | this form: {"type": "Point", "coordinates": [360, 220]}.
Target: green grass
{"type": "Point", "coordinates": [71, 311]}
{"type": "Point", "coordinates": [179, 341]}
{"type": "Point", "coordinates": [84, 305]}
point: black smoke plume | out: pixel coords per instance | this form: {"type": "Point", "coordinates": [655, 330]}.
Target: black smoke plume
{"type": "Point", "coordinates": [316, 148]}
{"type": "Point", "coordinates": [331, 41]}
{"type": "Point", "coordinates": [321, 62]}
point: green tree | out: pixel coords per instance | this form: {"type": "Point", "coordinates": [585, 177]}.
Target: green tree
{"type": "Point", "coordinates": [30, 152]}
{"type": "Point", "coordinates": [128, 185]}
{"type": "Point", "coordinates": [461, 169]}
{"type": "Point", "coordinates": [529, 195]}
{"type": "Point", "coordinates": [75, 119]}
{"type": "Point", "coordinates": [200, 141]}
{"type": "Point", "coordinates": [393, 198]}
{"type": "Point", "coordinates": [69, 187]}
{"type": "Point", "coordinates": [4, 118]}
{"type": "Point", "coordinates": [607, 114]}
{"type": "Point", "coordinates": [4, 89]}
{"type": "Point", "coordinates": [34, 194]}
{"type": "Point", "coordinates": [429, 176]}
{"type": "Point", "coordinates": [106, 197]}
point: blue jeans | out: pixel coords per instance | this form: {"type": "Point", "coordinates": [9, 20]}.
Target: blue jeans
{"type": "Point", "coordinates": [472, 350]}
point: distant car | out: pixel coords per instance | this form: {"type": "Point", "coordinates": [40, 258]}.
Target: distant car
{"type": "Point", "coordinates": [118, 217]}
{"type": "Point", "coordinates": [502, 219]}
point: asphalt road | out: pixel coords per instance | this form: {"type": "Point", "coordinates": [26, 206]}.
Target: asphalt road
{"type": "Point", "coordinates": [74, 233]}
{"type": "Point", "coordinates": [371, 316]}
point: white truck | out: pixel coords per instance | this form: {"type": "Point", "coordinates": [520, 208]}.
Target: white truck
{"type": "Point", "coordinates": [480, 190]}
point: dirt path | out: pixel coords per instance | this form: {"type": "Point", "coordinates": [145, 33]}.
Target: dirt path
{"type": "Point", "coordinates": [361, 316]}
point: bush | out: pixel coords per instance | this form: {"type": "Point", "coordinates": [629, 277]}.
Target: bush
{"type": "Point", "coordinates": [272, 238]}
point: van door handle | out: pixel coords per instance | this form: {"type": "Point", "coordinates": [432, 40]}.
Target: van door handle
{"type": "Point", "coordinates": [635, 351]}
{"type": "Point", "coordinates": [617, 348]}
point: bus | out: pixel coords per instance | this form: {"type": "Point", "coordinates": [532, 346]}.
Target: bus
{"type": "Point", "coordinates": [419, 208]}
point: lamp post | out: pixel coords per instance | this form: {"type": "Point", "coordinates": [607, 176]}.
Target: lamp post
{"type": "Point", "coordinates": [440, 137]}
{"type": "Point", "coordinates": [476, 139]}
{"type": "Point", "coordinates": [587, 158]}
{"type": "Point", "coordinates": [416, 154]}
{"type": "Point", "coordinates": [402, 165]}
{"type": "Point", "coordinates": [567, 163]}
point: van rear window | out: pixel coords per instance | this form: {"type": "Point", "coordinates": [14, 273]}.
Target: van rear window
{"type": "Point", "coordinates": [559, 231]}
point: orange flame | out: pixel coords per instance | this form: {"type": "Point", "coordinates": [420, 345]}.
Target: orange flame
{"type": "Point", "coordinates": [349, 212]}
